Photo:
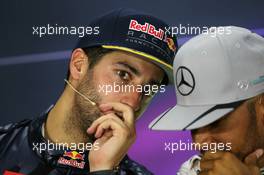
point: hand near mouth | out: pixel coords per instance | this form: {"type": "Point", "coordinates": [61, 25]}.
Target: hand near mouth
{"type": "Point", "coordinates": [114, 133]}
{"type": "Point", "coordinates": [227, 163]}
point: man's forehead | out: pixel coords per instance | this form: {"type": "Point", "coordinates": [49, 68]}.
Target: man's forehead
{"type": "Point", "coordinates": [140, 63]}
{"type": "Point", "coordinates": [130, 57]}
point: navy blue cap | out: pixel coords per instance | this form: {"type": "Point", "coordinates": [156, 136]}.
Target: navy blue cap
{"type": "Point", "coordinates": [135, 32]}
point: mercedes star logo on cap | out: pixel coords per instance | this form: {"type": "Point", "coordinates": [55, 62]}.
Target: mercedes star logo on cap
{"type": "Point", "coordinates": [185, 82]}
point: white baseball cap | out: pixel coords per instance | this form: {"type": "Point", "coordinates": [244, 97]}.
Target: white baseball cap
{"type": "Point", "coordinates": [213, 73]}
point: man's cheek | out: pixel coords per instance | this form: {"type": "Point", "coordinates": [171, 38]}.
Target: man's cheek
{"type": "Point", "coordinates": [234, 146]}
{"type": "Point", "coordinates": [109, 97]}
{"type": "Point", "coordinates": [236, 149]}
{"type": "Point", "coordinates": [198, 138]}
{"type": "Point", "coordinates": [105, 87]}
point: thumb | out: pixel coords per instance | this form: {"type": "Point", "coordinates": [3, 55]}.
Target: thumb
{"type": "Point", "coordinates": [252, 159]}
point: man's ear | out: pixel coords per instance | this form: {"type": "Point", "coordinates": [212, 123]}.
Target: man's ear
{"type": "Point", "coordinates": [78, 64]}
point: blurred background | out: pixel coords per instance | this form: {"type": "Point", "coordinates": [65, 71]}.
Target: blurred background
{"type": "Point", "coordinates": [32, 68]}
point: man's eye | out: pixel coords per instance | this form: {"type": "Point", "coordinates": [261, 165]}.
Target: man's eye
{"type": "Point", "coordinates": [123, 75]}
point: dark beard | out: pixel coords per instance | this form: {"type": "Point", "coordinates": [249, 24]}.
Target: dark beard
{"type": "Point", "coordinates": [253, 139]}
{"type": "Point", "coordinates": [83, 113]}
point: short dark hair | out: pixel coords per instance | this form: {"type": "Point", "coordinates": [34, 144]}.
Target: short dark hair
{"type": "Point", "coordinates": [94, 54]}
{"type": "Point", "coordinates": [252, 102]}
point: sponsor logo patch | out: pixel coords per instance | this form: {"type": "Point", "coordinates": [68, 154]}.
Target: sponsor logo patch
{"type": "Point", "coordinates": [72, 158]}
{"type": "Point", "coordinates": [171, 44]}
{"type": "Point", "coordinates": [146, 28]}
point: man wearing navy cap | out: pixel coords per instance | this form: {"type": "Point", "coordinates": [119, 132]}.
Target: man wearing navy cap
{"type": "Point", "coordinates": [219, 80]}
{"type": "Point", "coordinates": [89, 130]}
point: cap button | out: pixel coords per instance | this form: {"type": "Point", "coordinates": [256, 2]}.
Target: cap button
{"type": "Point", "coordinates": [204, 52]}
{"type": "Point", "coordinates": [237, 45]}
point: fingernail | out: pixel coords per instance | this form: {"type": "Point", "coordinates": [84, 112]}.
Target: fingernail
{"type": "Point", "coordinates": [259, 153]}
{"type": "Point", "coordinates": [88, 130]}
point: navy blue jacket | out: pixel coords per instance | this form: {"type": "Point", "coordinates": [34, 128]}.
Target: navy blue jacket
{"type": "Point", "coordinates": [18, 153]}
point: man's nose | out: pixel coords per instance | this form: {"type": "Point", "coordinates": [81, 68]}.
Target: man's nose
{"type": "Point", "coordinates": [132, 99]}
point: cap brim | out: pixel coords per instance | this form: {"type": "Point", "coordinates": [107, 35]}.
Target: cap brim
{"type": "Point", "coordinates": [188, 117]}
{"type": "Point", "coordinates": [165, 66]}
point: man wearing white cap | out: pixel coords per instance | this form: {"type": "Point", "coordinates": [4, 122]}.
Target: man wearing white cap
{"type": "Point", "coordinates": [219, 80]}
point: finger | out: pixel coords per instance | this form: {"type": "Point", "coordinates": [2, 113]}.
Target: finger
{"type": "Point", "coordinates": [128, 114]}
{"type": "Point", "coordinates": [106, 125]}
{"type": "Point", "coordinates": [260, 162]}
{"type": "Point", "coordinates": [255, 157]}
{"type": "Point", "coordinates": [107, 135]}
{"type": "Point", "coordinates": [95, 124]}
{"type": "Point", "coordinates": [206, 165]}
{"type": "Point", "coordinates": [109, 124]}
{"type": "Point", "coordinates": [109, 109]}
{"type": "Point", "coordinates": [254, 170]}
{"type": "Point", "coordinates": [104, 138]}
{"type": "Point", "coordinates": [204, 173]}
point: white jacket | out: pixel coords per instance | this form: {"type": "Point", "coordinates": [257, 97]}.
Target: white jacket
{"type": "Point", "coordinates": [191, 166]}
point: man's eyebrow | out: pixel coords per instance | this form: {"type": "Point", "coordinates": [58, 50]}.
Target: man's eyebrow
{"type": "Point", "coordinates": [131, 68]}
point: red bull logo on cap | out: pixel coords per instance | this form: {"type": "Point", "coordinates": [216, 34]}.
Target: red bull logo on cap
{"type": "Point", "coordinates": [146, 28]}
